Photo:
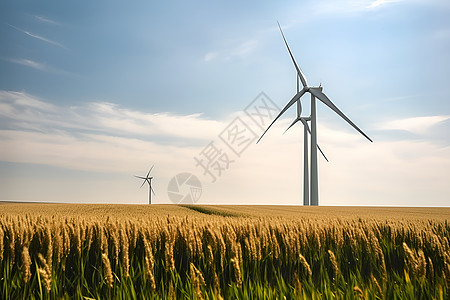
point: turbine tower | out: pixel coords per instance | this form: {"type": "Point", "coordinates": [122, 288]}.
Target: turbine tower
{"type": "Point", "coordinates": [316, 92]}
{"type": "Point", "coordinates": [149, 181]}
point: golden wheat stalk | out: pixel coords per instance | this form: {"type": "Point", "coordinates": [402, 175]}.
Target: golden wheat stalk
{"type": "Point", "coordinates": [377, 285]}
{"type": "Point", "coordinates": [107, 270]}
{"type": "Point", "coordinates": [2, 234]}
{"type": "Point", "coordinates": [334, 263]}
{"type": "Point", "coordinates": [125, 252]}
{"type": "Point", "coordinates": [149, 263]}
{"type": "Point", "coordinates": [359, 293]}
{"type": "Point", "coordinates": [421, 269]}
{"type": "Point", "coordinates": [237, 271]}
{"type": "Point", "coordinates": [197, 280]}
{"type": "Point", "coordinates": [305, 264]}
{"type": "Point", "coordinates": [410, 259]}
{"type": "Point", "coordinates": [26, 264]}
{"type": "Point", "coordinates": [46, 272]}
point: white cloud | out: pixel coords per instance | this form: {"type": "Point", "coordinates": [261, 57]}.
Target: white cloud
{"type": "Point", "coordinates": [27, 112]}
{"type": "Point", "coordinates": [415, 125]}
{"type": "Point", "coordinates": [37, 65]}
{"type": "Point", "coordinates": [97, 136]}
{"type": "Point", "coordinates": [412, 173]}
{"type": "Point", "coordinates": [378, 3]}
{"type": "Point", "coordinates": [210, 56]}
{"type": "Point", "coordinates": [236, 51]}
{"type": "Point", "coordinates": [30, 63]}
{"type": "Point", "coordinates": [88, 152]}
{"type": "Point", "coordinates": [12, 98]}
{"type": "Point", "coordinates": [337, 7]}
{"type": "Point", "coordinates": [46, 20]}
{"type": "Point", "coordinates": [245, 49]}
{"type": "Point", "coordinates": [344, 7]}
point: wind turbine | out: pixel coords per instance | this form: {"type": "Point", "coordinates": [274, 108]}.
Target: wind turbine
{"type": "Point", "coordinates": [149, 181]}
{"type": "Point", "coordinates": [306, 130]}
{"type": "Point", "coordinates": [316, 92]}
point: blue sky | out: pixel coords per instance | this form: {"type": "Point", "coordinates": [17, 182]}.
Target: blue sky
{"type": "Point", "coordinates": [92, 93]}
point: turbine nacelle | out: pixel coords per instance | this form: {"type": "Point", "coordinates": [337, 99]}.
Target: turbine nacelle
{"type": "Point", "coordinates": [308, 89]}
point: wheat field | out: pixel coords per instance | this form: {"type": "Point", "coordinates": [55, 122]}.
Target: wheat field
{"type": "Point", "coordinates": [82, 251]}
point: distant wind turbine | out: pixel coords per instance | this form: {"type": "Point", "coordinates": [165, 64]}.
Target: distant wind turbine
{"type": "Point", "coordinates": [149, 181]}
{"type": "Point", "coordinates": [316, 92]}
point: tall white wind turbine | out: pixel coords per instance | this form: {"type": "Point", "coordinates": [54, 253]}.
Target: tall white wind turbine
{"type": "Point", "coordinates": [316, 92]}
{"type": "Point", "coordinates": [149, 181]}
{"type": "Point", "coordinates": [306, 131]}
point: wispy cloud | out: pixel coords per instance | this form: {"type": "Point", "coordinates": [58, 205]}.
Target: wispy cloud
{"type": "Point", "coordinates": [245, 49]}
{"type": "Point", "coordinates": [13, 100]}
{"type": "Point", "coordinates": [39, 37]}
{"type": "Point", "coordinates": [346, 7]}
{"type": "Point", "coordinates": [210, 56]}
{"type": "Point", "coordinates": [235, 51]}
{"type": "Point", "coordinates": [37, 65]}
{"type": "Point", "coordinates": [29, 63]}
{"type": "Point", "coordinates": [378, 3]}
{"type": "Point", "coordinates": [98, 136]}
{"type": "Point", "coordinates": [47, 20]}
{"type": "Point", "coordinates": [30, 113]}
{"type": "Point", "coordinates": [415, 125]}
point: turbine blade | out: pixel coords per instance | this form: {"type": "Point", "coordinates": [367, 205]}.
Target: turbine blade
{"type": "Point", "coordinates": [292, 124]}
{"type": "Point", "coordinates": [150, 170]}
{"type": "Point", "coordinates": [299, 108]}
{"type": "Point", "coordinates": [152, 191]}
{"type": "Point", "coordinates": [295, 98]}
{"type": "Point", "coordinates": [140, 177]}
{"type": "Point", "coordinates": [323, 154]}
{"type": "Point", "coordinates": [322, 97]}
{"type": "Point", "coordinates": [305, 123]}
{"type": "Point", "coordinates": [299, 71]}
{"type": "Point", "coordinates": [299, 113]}
{"type": "Point", "coordinates": [143, 182]}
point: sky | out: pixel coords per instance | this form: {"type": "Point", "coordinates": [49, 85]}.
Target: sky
{"type": "Point", "coordinates": [93, 93]}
